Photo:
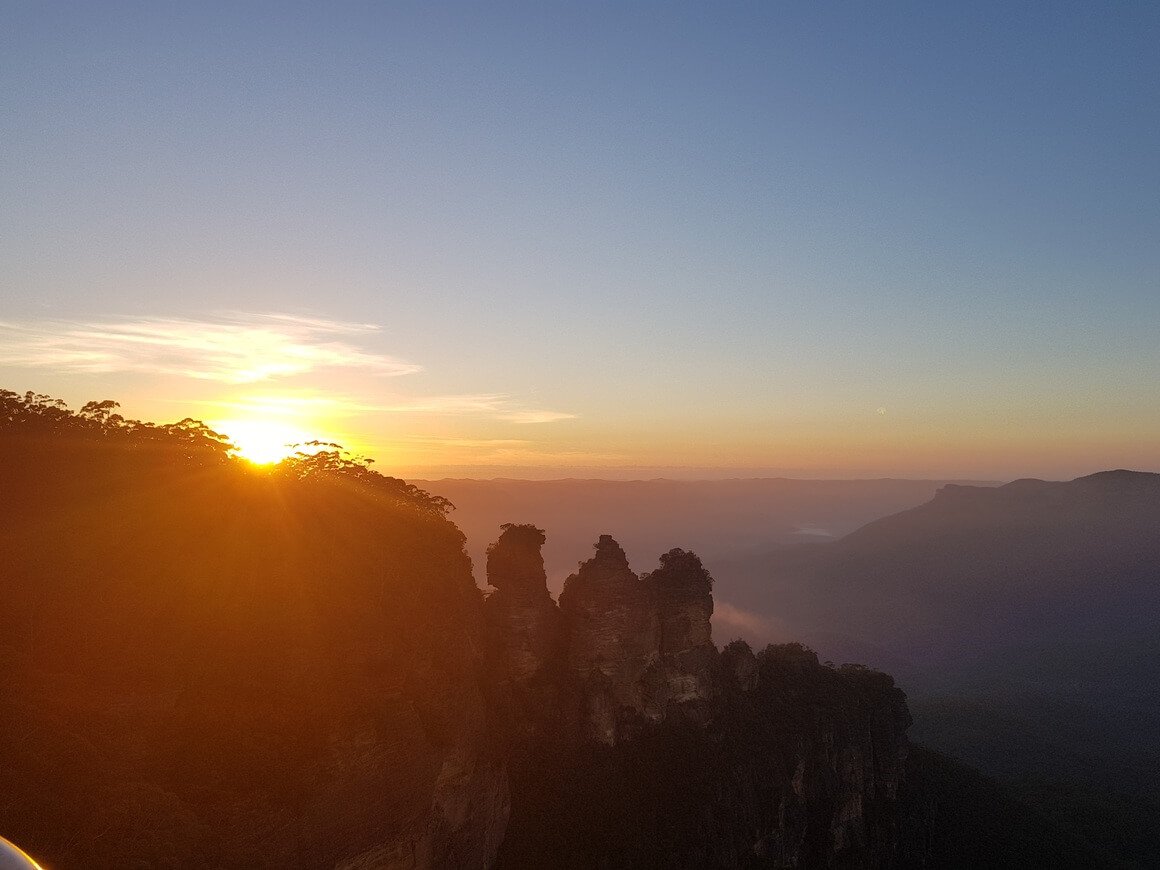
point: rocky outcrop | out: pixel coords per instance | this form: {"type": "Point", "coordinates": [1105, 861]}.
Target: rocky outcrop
{"type": "Point", "coordinates": [797, 767]}
{"type": "Point", "coordinates": [612, 632]}
{"type": "Point", "coordinates": [632, 647]}
{"type": "Point", "coordinates": [612, 620]}
{"type": "Point", "coordinates": [684, 676]}
{"type": "Point", "coordinates": [641, 745]}
{"type": "Point", "coordinates": [524, 613]}
{"type": "Point", "coordinates": [685, 596]}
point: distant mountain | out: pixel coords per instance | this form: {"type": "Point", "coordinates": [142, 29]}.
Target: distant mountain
{"type": "Point", "coordinates": [1053, 584]}
{"type": "Point", "coordinates": [1020, 619]}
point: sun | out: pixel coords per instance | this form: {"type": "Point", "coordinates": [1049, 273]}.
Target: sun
{"type": "Point", "coordinates": [262, 442]}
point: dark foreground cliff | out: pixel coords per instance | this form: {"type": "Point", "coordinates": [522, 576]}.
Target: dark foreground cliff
{"type": "Point", "coordinates": [206, 666]}
{"type": "Point", "coordinates": [202, 665]}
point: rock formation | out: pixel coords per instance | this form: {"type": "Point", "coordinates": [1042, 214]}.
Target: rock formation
{"type": "Point", "coordinates": [521, 608]}
{"type": "Point", "coordinates": [686, 670]}
{"type": "Point", "coordinates": [612, 631]}
{"type": "Point", "coordinates": [685, 594]}
{"type": "Point", "coordinates": [641, 745]}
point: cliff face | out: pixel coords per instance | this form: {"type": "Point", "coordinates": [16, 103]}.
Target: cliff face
{"type": "Point", "coordinates": [612, 627]}
{"type": "Point", "coordinates": [685, 593]}
{"type": "Point", "coordinates": [205, 667]}
{"type": "Point", "coordinates": [521, 609]}
{"type": "Point", "coordinates": [643, 746]}
{"type": "Point", "coordinates": [685, 678]}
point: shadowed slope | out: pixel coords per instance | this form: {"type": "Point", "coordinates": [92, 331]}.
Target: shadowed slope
{"type": "Point", "coordinates": [207, 666]}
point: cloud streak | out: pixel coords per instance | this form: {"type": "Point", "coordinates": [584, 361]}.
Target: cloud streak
{"type": "Point", "coordinates": [497, 405]}
{"type": "Point", "coordinates": [536, 416]}
{"type": "Point", "coordinates": [238, 348]}
{"type": "Point", "coordinates": [233, 349]}
{"type": "Point", "coordinates": [488, 443]}
{"type": "Point", "coordinates": [307, 403]}
{"type": "Point", "coordinates": [730, 622]}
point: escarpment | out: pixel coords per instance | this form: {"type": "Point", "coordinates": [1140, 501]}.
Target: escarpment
{"type": "Point", "coordinates": [201, 666]}
{"type": "Point", "coordinates": [641, 745]}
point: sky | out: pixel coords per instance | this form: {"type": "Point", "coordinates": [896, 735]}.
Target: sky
{"type": "Point", "coordinates": [587, 239]}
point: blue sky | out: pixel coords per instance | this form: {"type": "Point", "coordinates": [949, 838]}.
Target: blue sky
{"type": "Point", "coordinates": [897, 238]}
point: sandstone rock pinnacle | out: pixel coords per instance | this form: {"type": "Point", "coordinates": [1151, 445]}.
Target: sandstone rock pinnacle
{"type": "Point", "coordinates": [528, 620]}
{"type": "Point", "coordinates": [612, 625]}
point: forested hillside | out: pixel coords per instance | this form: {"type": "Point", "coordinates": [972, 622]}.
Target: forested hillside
{"type": "Point", "coordinates": [204, 664]}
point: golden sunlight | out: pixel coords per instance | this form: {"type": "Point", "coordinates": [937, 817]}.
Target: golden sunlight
{"type": "Point", "coordinates": [262, 442]}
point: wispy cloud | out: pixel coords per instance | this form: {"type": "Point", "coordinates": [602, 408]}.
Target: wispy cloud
{"type": "Point", "coordinates": [730, 622]}
{"type": "Point", "coordinates": [235, 348]}
{"type": "Point", "coordinates": [297, 403]}
{"type": "Point", "coordinates": [734, 617]}
{"type": "Point", "coordinates": [310, 403]}
{"type": "Point", "coordinates": [536, 416]}
{"type": "Point", "coordinates": [432, 450]}
{"type": "Point", "coordinates": [488, 443]}
{"type": "Point", "coordinates": [244, 348]}
{"type": "Point", "coordinates": [813, 532]}
{"type": "Point", "coordinates": [486, 403]}
{"type": "Point", "coordinates": [497, 405]}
